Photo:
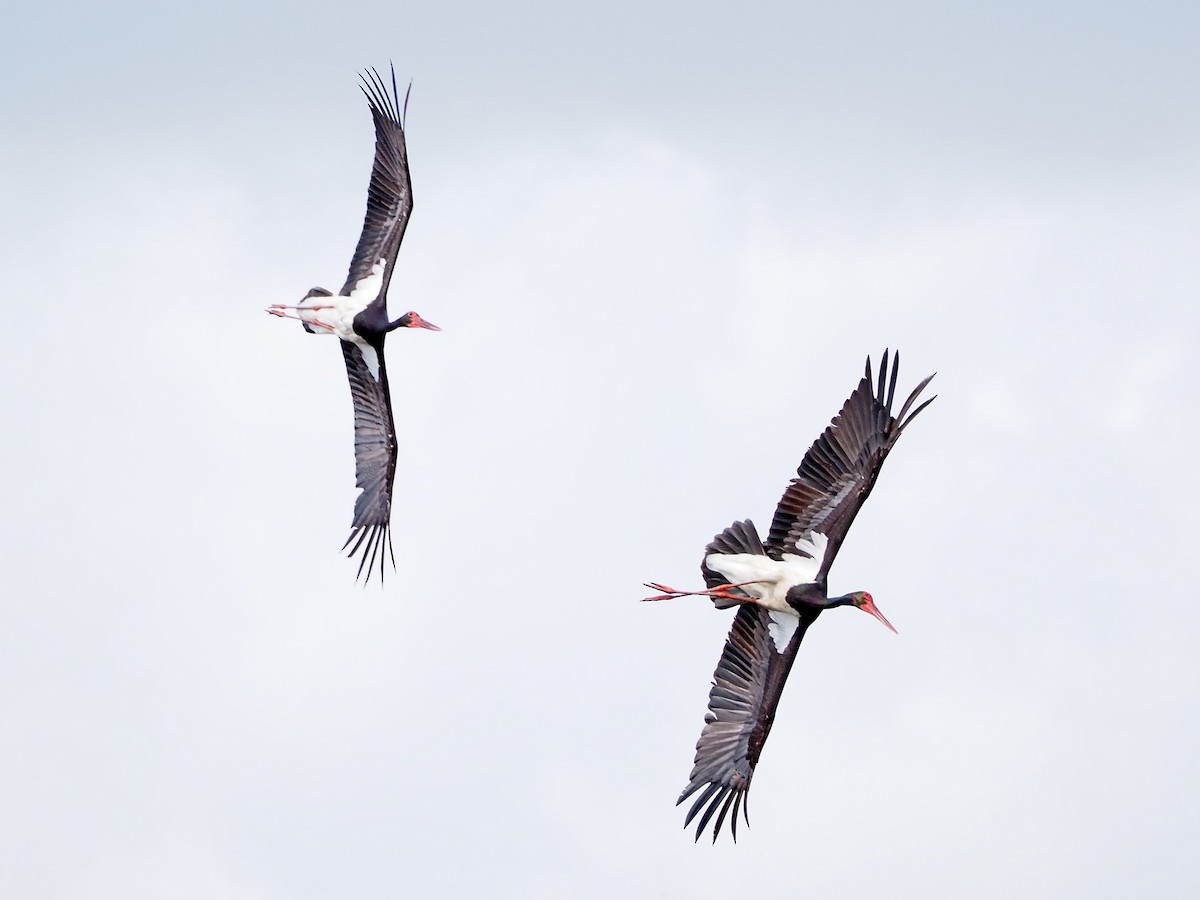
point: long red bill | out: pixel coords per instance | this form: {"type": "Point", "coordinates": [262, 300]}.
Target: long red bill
{"type": "Point", "coordinates": [418, 322]}
{"type": "Point", "coordinates": [869, 606]}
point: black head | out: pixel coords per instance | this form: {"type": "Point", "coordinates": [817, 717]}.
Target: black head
{"type": "Point", "coordinates": [864, 601]}
{"type": "Point", "coordinates": [411, 320]}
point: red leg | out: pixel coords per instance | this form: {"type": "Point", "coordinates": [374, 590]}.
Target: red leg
{"type": "Point", "coordinates": [721, 592]}
{"type": "Point", "coordinates": [279, 312]}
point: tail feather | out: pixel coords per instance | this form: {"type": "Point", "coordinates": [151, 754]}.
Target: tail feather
{"type": "Point", "coordinates": [740, 537]}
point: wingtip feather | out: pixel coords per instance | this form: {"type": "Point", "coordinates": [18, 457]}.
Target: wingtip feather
{"type": "Point", "coordinates": [369, 542]}
{"type": "Point", "coordinates": [891, 394]}
{"type": "Point", "coordinates": [882, 383]}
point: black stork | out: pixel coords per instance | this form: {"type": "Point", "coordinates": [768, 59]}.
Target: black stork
{"type": "Point", "coordinates": [779, 587]}
{"type": "Point", "coordinates": [357, 315]}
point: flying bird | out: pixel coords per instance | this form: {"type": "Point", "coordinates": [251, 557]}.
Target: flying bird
{"type": "Point", "coordinates": [357, 316]}
{"type": "Point", "coordinates": [779, 587]}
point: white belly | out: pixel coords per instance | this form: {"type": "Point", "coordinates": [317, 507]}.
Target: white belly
{"type": "Point", "coordinates": [335, 315]}
{"type": "Point", "coordinates": [772, 578]}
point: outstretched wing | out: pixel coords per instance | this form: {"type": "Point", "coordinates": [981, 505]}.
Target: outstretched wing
{"type": "Point", "coordinates": [840, 468]}
{"type": "Point", "coordinates": [746, 689]}
{"type": "Point", "coordinates": [374, 456]}
{"type": "Point", "coordinates": [389, 196]}
{"type": "Point", "coordinates": [832, 482]}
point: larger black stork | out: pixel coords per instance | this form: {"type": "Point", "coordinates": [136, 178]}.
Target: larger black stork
{"type": "Point", "coordinates": [357, 315]}
{"type": "Point", "coordinates": [780, 589]}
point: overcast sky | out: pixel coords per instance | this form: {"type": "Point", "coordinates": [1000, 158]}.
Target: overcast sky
{"type": "Point", "coordinates": [661, 240]}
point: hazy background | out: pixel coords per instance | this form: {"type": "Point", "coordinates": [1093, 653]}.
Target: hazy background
{"type": "Point", "coordinates": [661, 241]}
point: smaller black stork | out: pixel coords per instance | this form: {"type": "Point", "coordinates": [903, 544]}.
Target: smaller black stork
{"type": "Point", "coordinates": [358, 316]}
{"type": "Point", "coordinates": [780, 589]}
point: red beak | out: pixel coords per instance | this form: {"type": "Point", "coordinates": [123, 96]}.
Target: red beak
{"type": "Point", "coordinates": [868, 606]}
{"type": "Point", "coordinates": [418, 322]}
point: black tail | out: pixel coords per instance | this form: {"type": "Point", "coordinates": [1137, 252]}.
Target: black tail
{"type": "Point", "coordinates": [740, 537]}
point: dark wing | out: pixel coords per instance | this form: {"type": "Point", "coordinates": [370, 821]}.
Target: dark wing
{"type": "Point", "coordinates": [741, 704]}
{"type": "Point", "coordinates": [832, 482]}
{"type": "Point", "coordinates": [841, 466]}
{"type": "Point", "coordinates": [374, 458]}
{"type": "Point", "coordinates": [741, 709]}
{"type": "Point", "coordinates": [389, 196]}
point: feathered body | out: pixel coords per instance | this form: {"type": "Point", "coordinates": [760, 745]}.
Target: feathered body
{"type": "Point", "coordinates": [787, 591]}
{"type": "Point", "coordinates": [357, 316]}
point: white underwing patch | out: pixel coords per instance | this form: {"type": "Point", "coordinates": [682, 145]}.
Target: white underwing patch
{"type": "Point", "coordinates": [781, 628]}
{"type": "Point", "coordinates": [814, 545]}
{"type": "Point", "coordinates": [367, 288]}
{"type": "Point", "coordinates": [370, 357]}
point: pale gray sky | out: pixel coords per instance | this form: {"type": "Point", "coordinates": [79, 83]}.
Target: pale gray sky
{"type": "Point", "coordinates": [660, 242]}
